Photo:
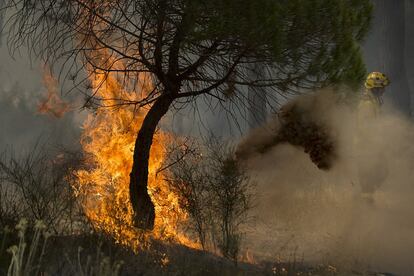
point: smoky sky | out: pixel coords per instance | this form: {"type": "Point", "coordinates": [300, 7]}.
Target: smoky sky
{"type": "Point", "coordinates": [21, 90]}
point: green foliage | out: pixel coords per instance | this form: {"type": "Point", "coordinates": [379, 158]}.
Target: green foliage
{"type": "Point", "coordinates": [327, 32]}
{"type": "Point", "coordinates": [303, 41]}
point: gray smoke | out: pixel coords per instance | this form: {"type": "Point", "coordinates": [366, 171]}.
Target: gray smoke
{"type": "Point", "coordinates": [21, 91]}
{"type": "Point", "coordinates": [359, 214]}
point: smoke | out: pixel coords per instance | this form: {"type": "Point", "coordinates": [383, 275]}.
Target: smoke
{"type": "Point", "coordinates": [21, 125]}
{"type": "Point", "coordinates": [357, 215]}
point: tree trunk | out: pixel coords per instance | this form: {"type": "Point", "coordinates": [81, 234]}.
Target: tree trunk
{"type": "Point", "coordinates": [144, 211]}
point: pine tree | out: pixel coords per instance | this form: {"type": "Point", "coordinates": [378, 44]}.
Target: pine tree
{"type": "Point", "coordinates": [193, 48]}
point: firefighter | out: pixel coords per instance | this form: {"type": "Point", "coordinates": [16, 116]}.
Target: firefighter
{"type": "Point", "coordinates": [372, 168]}
{"type": "Point", "coordinates": [371, 99]}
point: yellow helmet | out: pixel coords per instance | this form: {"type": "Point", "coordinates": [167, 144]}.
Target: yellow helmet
{"type": "Point", "coordinates": [376, 80]}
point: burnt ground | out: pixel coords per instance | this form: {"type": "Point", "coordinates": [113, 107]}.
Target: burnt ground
{"type": "Point", "coordinates": [63, 258]}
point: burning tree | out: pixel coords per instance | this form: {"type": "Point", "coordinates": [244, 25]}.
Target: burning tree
{"type": "Point", "coordinates": [190, 49]}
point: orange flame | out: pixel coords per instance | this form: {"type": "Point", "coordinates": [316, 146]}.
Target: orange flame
{"type": "Point", "coordinates": [52, 104]}
{"type": "Point", "coordinates": [108, 140]}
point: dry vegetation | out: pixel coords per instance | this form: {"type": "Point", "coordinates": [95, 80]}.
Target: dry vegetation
{"type": "Point", "coordinates": [216, 192]}
{"type": "Point", "coordinates": [44, 231]}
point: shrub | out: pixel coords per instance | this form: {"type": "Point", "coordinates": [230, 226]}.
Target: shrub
{"type": "Point", "coordinates": [215, 190]}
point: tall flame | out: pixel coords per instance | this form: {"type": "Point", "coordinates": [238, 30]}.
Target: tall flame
{"type": "Point", "coordinates": [108, 140]}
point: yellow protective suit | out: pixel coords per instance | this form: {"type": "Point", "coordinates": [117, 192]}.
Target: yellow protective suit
{"type": "Point", "coordinates": [371, 166]}
{"type": "Point", "coordinates": [369, 106]}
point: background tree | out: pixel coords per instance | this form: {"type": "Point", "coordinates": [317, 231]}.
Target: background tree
{"type": "Point", "coordinates": [1, 23]}
{"type": "Point", "coordinates": [409, 45]}
{"type": "Point", "coordinates": [193, 48]}
{"type": "Point", "coordinates": [387, 48]}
